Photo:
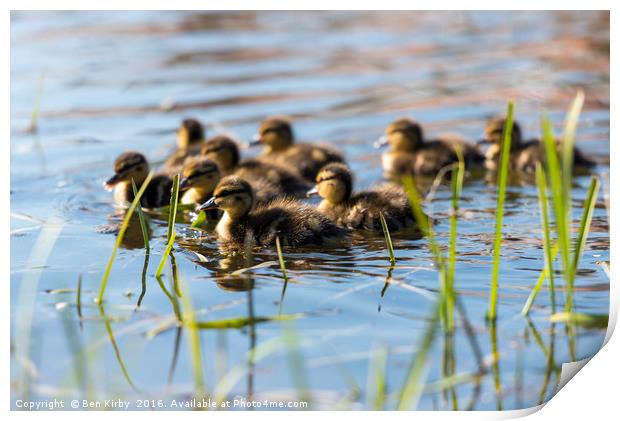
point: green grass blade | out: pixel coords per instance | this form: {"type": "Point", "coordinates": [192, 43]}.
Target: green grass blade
{"type": "Point", "coordinates": [541, 181]}
{"type": "Point", "coordinates": [378, 381]}
{"type": "Point", "coordinates": [162, 262]}
{"type": "Point", "coordinates": [388, 238]}
{"type": "Point", "coordinates": [78, 298]}
{"type": "Point", "coordinates": [413, 386]}
{"type": "Point", "coordinates": [557, 194]}
{"type": "Point", "coordinates": [584, 229]}
{"type": "Point", "coordinates": [499, 215]}
{"type": "Point", "coordinates": [568, 148]}
{"type": "Point", "coordinates": [117, 351]}
{"type": "Point", "coordinates": [174, 200]}
{"type": "Point", "coordinates": [599, 321]}
{"type": "Point", "coordinates": [145, 232]}
{"type": "Point", "coordinates": [458, 173]}
{"type": "Point", "coordinates": [543, 275]}
{"type": "Point", "coordinates": [239, 322]}
{"type": "Point", "coordinates": [193, 337]}
{"type": "Point", "coordinates": [283, 268]}
{"type": "Point", "coordinates": [201, 218]}
{"type": "Point", "coordinates": [121, 234]}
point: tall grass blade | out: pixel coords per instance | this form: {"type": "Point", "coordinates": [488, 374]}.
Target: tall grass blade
{"type": "Point", "coordinates": [193, 337]}
{"type": "Point", "coordinates": [543, 275]}
{"type": "Point", "coordinates": [378, 381]}
{"type": "Point", "coordinates": [117, 351]}
{"type": "Point", "coordinates": [27, 300]}
{"type": "Point", "coordinates": [283, 268]}
{"type": "Point", "coordinates": [145, 232]}
{"type": "Point", "coordinates": [584, 229]}
{"type": "Point", "coordinates": [558, 199]}
{"type": "Point", "coordinates": [296, 362]}
{"type": "Point", "coordinates": [413, 386]}
{"type": "Point", "coordinates": [162, 262]}
{"type": "Point", "coordinates": [499, 213]}
{"type": "Point", "coordinates": [174, 200]}
{"type": "Point", "coordinates": [121, 234]}
{"type": "Point", "coordinates": [541, 181]}
{"type": "Point", "coordinates": [457, 186]}
{"type": "Point", "coordinates": [388, 238]}
{"type": "Point", "coordinates": [568, 148]}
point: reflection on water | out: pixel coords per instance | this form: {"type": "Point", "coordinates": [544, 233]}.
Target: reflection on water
{"type": "Point", "coordinates": [114, 81]}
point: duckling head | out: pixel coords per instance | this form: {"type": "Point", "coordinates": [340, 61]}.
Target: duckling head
{"type": "Point", "coordinates": [334, 183]}
{"type": "Point", "coordinates": [274, 132]}
{"type": "Point", "coordinates": [494, 132]}
{"type": "Point", "coordinates": [200, 173]}
{"type": "Point", "coordinates": [233, 195]}
{"type": "Point", "coordinates": [223, 151]}
{"type": "Point", "coordinates": [128, 166]}
{"type": "Point", "coordinates": [403, 135]}
{"type": "Point", "coordinates": [190, 134]}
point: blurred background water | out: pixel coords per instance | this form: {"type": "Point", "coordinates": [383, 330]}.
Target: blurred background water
{"type": "Point", "coordinates": [114, 81]}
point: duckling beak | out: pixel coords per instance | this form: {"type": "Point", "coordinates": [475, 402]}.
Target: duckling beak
{"type": "Point", "coordinates": [112, 181]}
{"type": "Point", "coordinates": [184, 184]}
{"type": "Point", "coordinates": [312, 192]}
{"type": "Point", "coordinates": [381, 142]}
{"type": "Point", "coordinates": [209, 204]}
{"type": "Point", "coordinates": [256, 140]}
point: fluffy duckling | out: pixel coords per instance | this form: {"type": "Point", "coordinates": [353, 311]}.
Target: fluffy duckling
{"type": "Point", "coordinates": [189, 140]}
{"type": "Point", "coordinates": [133, 165]}
{"type": "Point", "coordinates": [361, 210]}
{"type": "Point", "coordinates": [200, 177]}
{"type": "Point", "coordinates": [225, 152]}
{"type": "Point", "coordinates": [523, 154]}
{"type": "Point", "coordinates": [276, 134]}
{"type": "Point", "coordinates": [411, 153]}
{"type": "Point", "coordinates": [294, 223]}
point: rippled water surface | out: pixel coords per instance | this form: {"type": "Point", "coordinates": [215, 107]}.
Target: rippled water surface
{"type": "Point", "coordinates": [113, 81]}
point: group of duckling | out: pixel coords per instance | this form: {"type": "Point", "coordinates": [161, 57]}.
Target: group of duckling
{"type": "Point", "coordinates": [258, 199]}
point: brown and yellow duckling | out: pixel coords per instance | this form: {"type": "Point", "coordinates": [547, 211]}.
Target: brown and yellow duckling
{"type": "Point", "coordinates": [200, 177]}
{"type": "Point", "coordinates": [225, 152]}
{"type": "Point", "coordinates": [293, 222]}
{"type": "Point", "coordinates": [523, 154]}
{"type": "Point", "coordinates": [276, 134]}
{"type": "Point", "coordinates": [361, 210]}
{"type": "Point", "coordinates": [410, 153]}
{"type": "Point", "coordinates": [133, 165]}
{"type": "Point", "coordinates": [190, 136]}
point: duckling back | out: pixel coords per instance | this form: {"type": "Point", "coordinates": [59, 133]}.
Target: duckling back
{"type": "Point", "coordinates": [364, 209]}
{"type": "Point", "coordinates": [295, 223]}
{"type": "Point", "coordinates": [305, 159]}
{"type": "Point", "coordinates": [282, 181]}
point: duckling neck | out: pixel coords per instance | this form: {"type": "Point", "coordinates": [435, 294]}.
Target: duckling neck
{"type": "Point", "coordinates": [195, 195]}
{"type": "Point", "coordinates": [228, 224]}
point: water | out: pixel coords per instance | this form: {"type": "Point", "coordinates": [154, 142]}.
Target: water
{"type": "Point", "coordinates": [113, 81]}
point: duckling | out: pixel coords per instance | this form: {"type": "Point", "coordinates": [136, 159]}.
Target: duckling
{"type": "Point", "coordinates": [276, 134]}
{"type": "Point", "coordinates": [523, 154]}
{"type": "Point", "coordinates": [200, 177]}
{"type": "Point", "coordinates": [225, 152]}
{"type": "Point", "coordinates": [361, 210]}
{"type": "Point", "coordinates": [411, 153]}
{"type": "Point", "coordinates": [133, 165]}
{"type": "Point", "coordinates": [294, 223]}
{"type": "Point", "coordinates": [189, 140]}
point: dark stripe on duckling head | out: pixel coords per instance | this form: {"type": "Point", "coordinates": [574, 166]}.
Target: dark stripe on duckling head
{"type": "Point", "coordinates": [494, 131]}
{"type": "Point", "coordinates": [232, 185]}
{"type": "Point", "coordinates": [278, 124]}
{"type": "Point", "coordinates": [128, 160]}
{"type": "Point", "coordinates": [220, 143]}
{"type": "Point", "coordinates": [195, 129]}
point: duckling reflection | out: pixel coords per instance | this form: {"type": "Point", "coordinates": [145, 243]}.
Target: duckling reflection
{"type": "Point", "coordinates": [225, 152]}
{"type": "Point", "coordinates": [276, 134]}
{"type": "Point", "coordinates": [190, 136]}
{"type": "Point", "coordinates": [523, 154]}
{"type": "Point", "coordinates": [293, 222]}
{"type": "Point", "coordinates": [227, 280]}
{"type": "Point", "coordinates": [361, 210]}
{"type": "Point", "coordinates": [410, 153]}
{"type": "Point", "coordinates": [133, 165]}
{"type": "Point", "coordinates": [133, 238]}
